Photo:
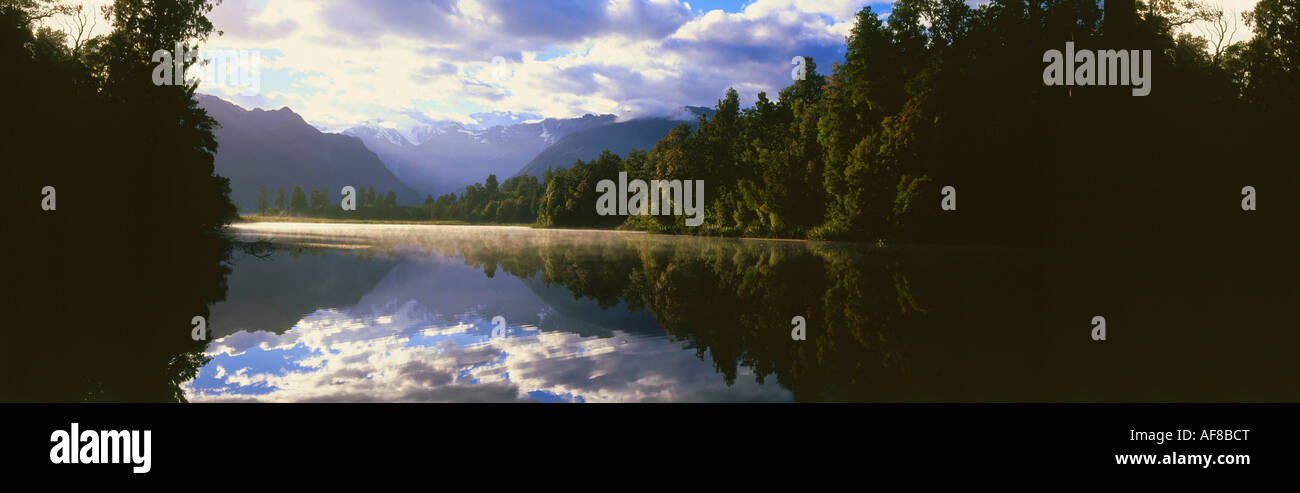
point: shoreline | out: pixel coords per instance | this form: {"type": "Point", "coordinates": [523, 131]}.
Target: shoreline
{"type": "Point", "coordinates": [453, 222]}
{"type": "Point", "coordinates": [321, 220]}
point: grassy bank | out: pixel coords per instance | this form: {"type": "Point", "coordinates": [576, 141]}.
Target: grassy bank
{"type": "Point", "coordinates": [297, 219]}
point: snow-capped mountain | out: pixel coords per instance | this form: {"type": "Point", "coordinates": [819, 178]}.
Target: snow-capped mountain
{"type": "Point", "coordinates": [447, 156]}
{"type": "Point", "coordinates": [389, 135]}
{"type": "Point", "coordinates": [421, 133]}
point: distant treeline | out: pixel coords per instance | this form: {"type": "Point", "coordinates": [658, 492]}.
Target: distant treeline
{"type": "Point", "coordinates": [320, 203]}
{"type": "Point", "coordinates": [514, 201]}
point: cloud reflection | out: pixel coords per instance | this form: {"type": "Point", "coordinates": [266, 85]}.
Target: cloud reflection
{"type": "Point", "coordinates": [411, 339]}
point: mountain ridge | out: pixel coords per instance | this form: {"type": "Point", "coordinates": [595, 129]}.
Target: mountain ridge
{"type": "Point", "coordinates": [278, 149]}
{"type": "Point", "coordinates": [619, 138]}
{"type": "Point", "coordinates": [452, 156]}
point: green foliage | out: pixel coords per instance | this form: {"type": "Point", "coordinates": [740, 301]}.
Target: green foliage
{"type": "Point", "coordinates": [514, 201]}
{"type": "Point", "coordinates": [298, 201]}
{"type": "Point", "coordinates": [570, 196]}
{"type": "Point", "coordinates": [944, 94]}
{"type": "Point", "coordinates": [262, 203]}
{"type": "Point", "coordinates": [319, 200]}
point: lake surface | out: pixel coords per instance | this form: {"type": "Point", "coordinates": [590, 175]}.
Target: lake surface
{"type": "Point", "coordinates": [383, 313]}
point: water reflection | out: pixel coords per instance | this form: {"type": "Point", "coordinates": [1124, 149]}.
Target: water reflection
{"type": "Point", "coordinates": [421, 327]}
{"type": "Point", "coordinates": [405, 313]}
{"type": "Point", "coordinates": [107, 321]}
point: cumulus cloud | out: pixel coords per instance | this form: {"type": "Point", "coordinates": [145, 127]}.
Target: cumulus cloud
{"type": "Point", "coordinates": [243, 18]}
{"type": "Point", "coordinates": [343, 62]}
{"type": "Point", "coordinates": [340, 63]}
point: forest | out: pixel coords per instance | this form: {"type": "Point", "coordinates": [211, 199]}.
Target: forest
{"type": "Point", "coordinates": [940, 94]}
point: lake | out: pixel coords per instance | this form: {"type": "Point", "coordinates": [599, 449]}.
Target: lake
{"type": "Point", "coordinates": [414, 313]}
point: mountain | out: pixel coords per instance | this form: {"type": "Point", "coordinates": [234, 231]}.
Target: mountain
{"type": "Point", "coordinates": [278, 149]}
{"type": "Point", "coordinates": [388, 136]}
{"type": "Point", "coordinates": [448, 156]}
{"type": "Point", "coordinates": [619, 138]}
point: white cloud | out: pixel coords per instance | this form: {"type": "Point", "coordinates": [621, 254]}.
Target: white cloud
{"type": "Point", "coordinates": [342, 63]}
{"type": "Point", "coordinates": [350, 359]}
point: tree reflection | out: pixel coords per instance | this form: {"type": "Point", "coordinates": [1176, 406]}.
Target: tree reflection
{"type": "Point", "coordinates": [920, 323]}
{"type": "Point", "coordinates": [733, 300]}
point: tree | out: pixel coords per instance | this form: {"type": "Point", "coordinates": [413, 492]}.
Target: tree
{"type": "Point", "coordinates": [279, 199]}
{"type": "Point", "coordinates": [1269, 64]}
{"type": "Point", "coordinates": [298, 201]}
{"type": "Point", "coordinates": [319, 199]}
{"type": "Point", "coordinates": [261, 200]}
{"type": "Point", "coordinates": [1218, 26]}
{"type": "Point", "coordinates": [445, 207]}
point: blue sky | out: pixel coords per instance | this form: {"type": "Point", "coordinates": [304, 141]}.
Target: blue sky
{"type": "Point", "coordinates": [406, 63]}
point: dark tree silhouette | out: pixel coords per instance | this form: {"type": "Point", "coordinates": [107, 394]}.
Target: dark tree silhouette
{"type": "Point", "coordinates": [134, 250]}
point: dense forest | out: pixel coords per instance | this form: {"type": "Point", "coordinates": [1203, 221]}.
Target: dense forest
{"type": "Point", "coordinates": [134, 211]}
{"type": "Point", "coordinates": [943, 94]}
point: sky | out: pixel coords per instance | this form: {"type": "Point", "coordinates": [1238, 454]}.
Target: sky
{"type": "Point", "coordinates": [406, 63]}
{"type": "Point", "coordinates": [403, 63]}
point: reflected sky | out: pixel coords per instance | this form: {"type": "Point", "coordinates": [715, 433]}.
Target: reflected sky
{"type": "Point", "coordinates": [406, 320]}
